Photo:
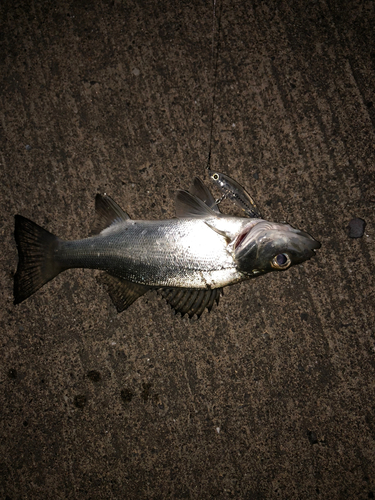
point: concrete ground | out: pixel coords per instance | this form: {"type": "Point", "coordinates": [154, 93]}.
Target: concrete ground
{"type": "Point", "coordinates": [272, 394]}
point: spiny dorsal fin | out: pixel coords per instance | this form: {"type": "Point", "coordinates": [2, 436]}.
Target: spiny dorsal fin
{"type": "Point", "coordinates": [188, 205]}
{"type": "Point", "coordinates": [191, 302]}
{"type": "Point", "coordinates": [122, 292]}
{"type": "Point", "coordinates": [107, 213]}
{"type": "Point", "coordinates": [199, 190]}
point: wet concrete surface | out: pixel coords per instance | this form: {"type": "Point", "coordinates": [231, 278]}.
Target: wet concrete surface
{"type": "Point", "coordinates": [272, 394]}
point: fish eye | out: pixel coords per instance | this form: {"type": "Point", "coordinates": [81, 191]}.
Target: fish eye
{"type": "Point", "coordinates": [215, 177]}
{"type": "Point", "coordinates": [281, 261]}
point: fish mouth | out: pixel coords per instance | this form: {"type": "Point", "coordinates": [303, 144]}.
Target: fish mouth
{"type": "Point", "coordinates": [305, 240]}
{"type": "Point", "coordinates": [302, 245]}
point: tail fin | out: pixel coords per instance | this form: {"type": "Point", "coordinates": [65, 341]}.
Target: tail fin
{"type": "Point", "coordinates": [37, 264]}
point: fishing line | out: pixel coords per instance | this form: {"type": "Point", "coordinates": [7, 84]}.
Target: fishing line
{"type": "Point", "coordinates": [216, 23]}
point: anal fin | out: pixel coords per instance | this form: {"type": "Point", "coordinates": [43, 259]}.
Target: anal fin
{"type": "Point", "coordinates": [122, 292]}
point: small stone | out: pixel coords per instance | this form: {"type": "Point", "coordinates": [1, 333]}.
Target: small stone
{"type": "Point", "coordinates": [356, 228]}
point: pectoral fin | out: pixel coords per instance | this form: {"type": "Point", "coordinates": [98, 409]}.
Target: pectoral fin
{"type": "Point", "coordinates": [223, 232]}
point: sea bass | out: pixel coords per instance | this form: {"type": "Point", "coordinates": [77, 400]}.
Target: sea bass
{"type": "Point", "coordinates": [188, 259]}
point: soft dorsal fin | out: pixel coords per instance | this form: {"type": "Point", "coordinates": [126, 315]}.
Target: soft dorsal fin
{"type": "Point", "coordinates": [107, 213]}
{"type": "Point", "coordinates": [188, 205]}
{"type": "Point", "coordinates": [199, 190]}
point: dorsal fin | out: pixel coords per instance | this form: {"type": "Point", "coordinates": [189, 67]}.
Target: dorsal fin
{"type": "Point", "coordinates": [188, 205]}
{"type": "Point", "coordinates": [107, 213]}
{"type": "Point", "coordinates": [199, 190]}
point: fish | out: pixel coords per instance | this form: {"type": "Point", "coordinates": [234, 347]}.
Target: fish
{"type": "Point", "coordinates": [188, 259]}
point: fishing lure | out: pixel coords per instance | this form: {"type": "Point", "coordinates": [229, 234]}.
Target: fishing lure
{"type": "Point", "coordinates": [236, 193]}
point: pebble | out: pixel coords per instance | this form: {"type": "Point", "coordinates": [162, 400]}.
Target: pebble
{"type": "Point", "coordinates": [356, 228]}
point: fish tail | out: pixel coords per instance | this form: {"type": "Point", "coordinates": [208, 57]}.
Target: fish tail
{"type": "Point", "coordinates": [37, 263]}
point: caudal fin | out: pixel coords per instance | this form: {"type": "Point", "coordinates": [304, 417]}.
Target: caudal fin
{"type": "Point", "coordinates": [36, 253]}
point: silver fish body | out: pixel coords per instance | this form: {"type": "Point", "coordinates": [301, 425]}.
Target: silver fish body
{"type": "Point", "coordinates": [188, 259]}
{"type": "Point", "coordinates": [183, 253]}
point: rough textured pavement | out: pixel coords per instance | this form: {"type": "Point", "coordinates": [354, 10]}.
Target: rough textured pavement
{"type": "Point", "coordinates": [272, 394]}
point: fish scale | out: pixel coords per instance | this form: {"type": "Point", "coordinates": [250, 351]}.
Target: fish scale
{"type": "Point", "coordinates": [173, 253]}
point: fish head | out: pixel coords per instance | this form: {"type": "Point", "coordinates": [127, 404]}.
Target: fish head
{"type": "Point", "coordinates": [265, 246]}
